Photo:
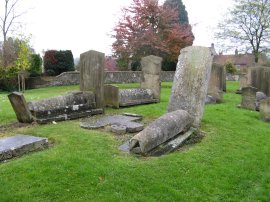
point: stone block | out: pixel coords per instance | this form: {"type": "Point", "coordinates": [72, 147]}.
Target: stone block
{"type": "Point", "coordinates": [92, 75]}
{"type": "Point", "coordinates": [18, 145]}
{"type": "Point", "coordinates": [160, 130]}
{"type": "Point", "coordinates": [265, 109]}
{"type": "Point", "coordinates": [111, 96]}
{"type": "Point", "coordinates": [249, 98]}
{"type": "Point", "coordinates": [129, 97]}
{"type": "Point", "coordinates": [191, 81]}
{"type": "Point", "coordinates": [20, 107]}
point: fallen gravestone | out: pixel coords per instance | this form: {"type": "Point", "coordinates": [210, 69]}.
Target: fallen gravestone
{"type": "Point", "coordinates": [11, 147]}
{"type": "Point", "coordinates": [120, 124]}
{"type": "Point", "coordinates": [249, 98]}
{"type": "Point", "coordinates": [265, 109]}
{"type": "Point", "coordinates": [164, 128]}
{"type": "Point", "coordinates": [191, 81]}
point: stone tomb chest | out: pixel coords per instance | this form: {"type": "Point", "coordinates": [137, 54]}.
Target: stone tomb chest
{"type": "Point", "coordinates": [69, 106]}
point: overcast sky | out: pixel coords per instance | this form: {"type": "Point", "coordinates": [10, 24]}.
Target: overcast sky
{"type": "Point", "coordinates": [82, 25]}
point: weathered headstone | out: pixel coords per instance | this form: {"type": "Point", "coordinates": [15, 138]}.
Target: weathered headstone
{"type": "Point", "coordinates": [259, 77]}
{"type": "Point", "coordinates": [191, 81]}
{"type": "Point", "coordinates": [265, 110]}
{"type": "Point", "coordinates": [18, 145]}
{"type": "Point", "coordinates": [92, 75]}
{"type": "Point", "coordinates": [216, 83]}
{"type": "Point", "coordinates": [151, 70]}
{"type": "Point", "coordinates": [20, 107]}
{"type": "Point", "coordinates": [249, 98]}
{"type": "Point", "coordinates": [160, 130]}
{"type": "Point", "coordinates": [111, 96]}
{"type": "Point", "coordinates": [259, 97]}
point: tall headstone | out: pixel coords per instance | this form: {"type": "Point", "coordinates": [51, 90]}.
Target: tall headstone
{"type": "Point", "coordinates": [249, 98]}
{"type": "Point", "coordinates": [20, 107]}
{"type": "Point", "coordinates": [265, 110]}
{"type": "Point", "coordinates": [151, 70]}
{"type": "Point", "coordinates": [216, 83]}
{"type": "Point", "coordinates": [92, 75]}
{"type": "Point", "coordinates": [191, 81]}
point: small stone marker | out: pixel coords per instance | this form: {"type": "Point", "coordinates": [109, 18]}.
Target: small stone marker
{"type": "Point", "coordinates": [120, 124]}
{"type": "Point", "coordinates": [20, 107]}
{"type": "Point", "coordinates": [151, 70]}
{"type": "Point", "coordinates": [18, 145]}
{"type": "Point", "coordinates": [259, 97]}
{"type": "Point", "coordinates": [191, 81]}
{"type": "Point", "coordinates": [265, 109]}
{"type": "Point", "coordinates": [249, 98]}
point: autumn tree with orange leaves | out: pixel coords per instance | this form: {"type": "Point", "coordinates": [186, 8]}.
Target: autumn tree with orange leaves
{"type": "Point", "coordinates": [147, 28]}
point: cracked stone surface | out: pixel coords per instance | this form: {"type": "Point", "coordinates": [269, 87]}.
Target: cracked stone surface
{"type": "Point", "coordinates": [20, 144]}
{"type": "Point", "coordinates": [118, 123]}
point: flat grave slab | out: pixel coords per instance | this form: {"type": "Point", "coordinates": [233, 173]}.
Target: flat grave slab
{"type": "Point", "coordinates": [18, 145]}
{"type": "Point", "coordinates": [117, 122]}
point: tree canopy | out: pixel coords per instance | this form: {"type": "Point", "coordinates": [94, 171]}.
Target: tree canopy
{"type": "Point", "coordinates": [247, 26]}
{"type": "Point", "coordinates": [180, 8]}
{"type": "Point", "coordinates": [147, 28]}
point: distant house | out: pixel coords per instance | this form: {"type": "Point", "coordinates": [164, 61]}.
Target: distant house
{"type": "Point", "coordinates": [240, 61]}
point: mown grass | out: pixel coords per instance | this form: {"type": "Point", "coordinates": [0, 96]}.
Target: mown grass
{"type": "Point", "coordinates": [231, 163]}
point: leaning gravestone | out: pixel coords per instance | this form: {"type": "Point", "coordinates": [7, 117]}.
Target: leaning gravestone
{"type": "Point", "coordinates": [151, 70]}
{"type": "Point", "coordinates": [249, 98]}
{"type": "Point", "coordinates": [92, 75]}
{"type": "Point", "coordinates": [265, 109]}
{"type": "Point", "coordinates": [191, 81]}
{"type": "Point", "coordinates": [20, 107]}
{"type": "Point", "coordinates": [11, 147]}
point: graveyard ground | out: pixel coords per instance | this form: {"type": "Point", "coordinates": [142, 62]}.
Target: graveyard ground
{"type": "Point", "coordinates": [231, 163]}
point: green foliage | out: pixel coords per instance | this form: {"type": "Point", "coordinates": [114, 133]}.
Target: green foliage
{"type": "Point", "coordinates": [56, 62]}
{"type": "Point", "coordinates": [168, 65]}
{"type": "Point", "coordinates": [122, 63]}
{"type": "Point", "coordinates": [181, 10]}
{"type": "Point", "coordinates": [35, 64]}
{"type": "Point", "coordinates": [23, 60]}
{"type": "Point", "coordinates": [230, 68]}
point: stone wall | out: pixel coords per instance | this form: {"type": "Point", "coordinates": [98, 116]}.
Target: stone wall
{"type": "Point", "coordinates": [73, 78]}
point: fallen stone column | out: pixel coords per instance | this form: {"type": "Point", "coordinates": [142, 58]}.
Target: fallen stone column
{"type": "Point", "coordinates": [161, 130]}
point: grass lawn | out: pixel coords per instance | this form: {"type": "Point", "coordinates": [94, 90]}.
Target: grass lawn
{"type": "Point", "coordinates": [231, 163]}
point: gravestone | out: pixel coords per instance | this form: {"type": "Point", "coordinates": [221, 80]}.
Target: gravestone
{"type": "Point", "coordinates": [11, 147]}
{"type": "Point", "coordinates": [259, 97]}
{"type": "Point", "coordinates": [216, 83]}
{"type": "Point", "coordinates": [92, 75]}
{"type": "Point", "coordinates": [265, 110]}
{"type": "Point", "coordinates": [20, 107]}
{"type": "Point", "coordinates": [159, 131]}
{"type": "Point", "coordinates": [191, 81]}
{"type": "Point", "coordinates": [249, 98]}
{"type": "Point", "coordinates": [151, 70]}
{"type": "Point", "coordinates": [243, 81]}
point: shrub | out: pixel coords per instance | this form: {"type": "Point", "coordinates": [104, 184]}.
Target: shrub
{"type": "Point", "coordinates": [230, 68]}
{"type": "Point", "coordinates": [58, 61]}
{"type": "Point", "coordinates": [35, 65]}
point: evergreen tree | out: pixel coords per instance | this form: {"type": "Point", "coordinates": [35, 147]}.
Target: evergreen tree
{"type": "Point", "coordinates": [181, 9]}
